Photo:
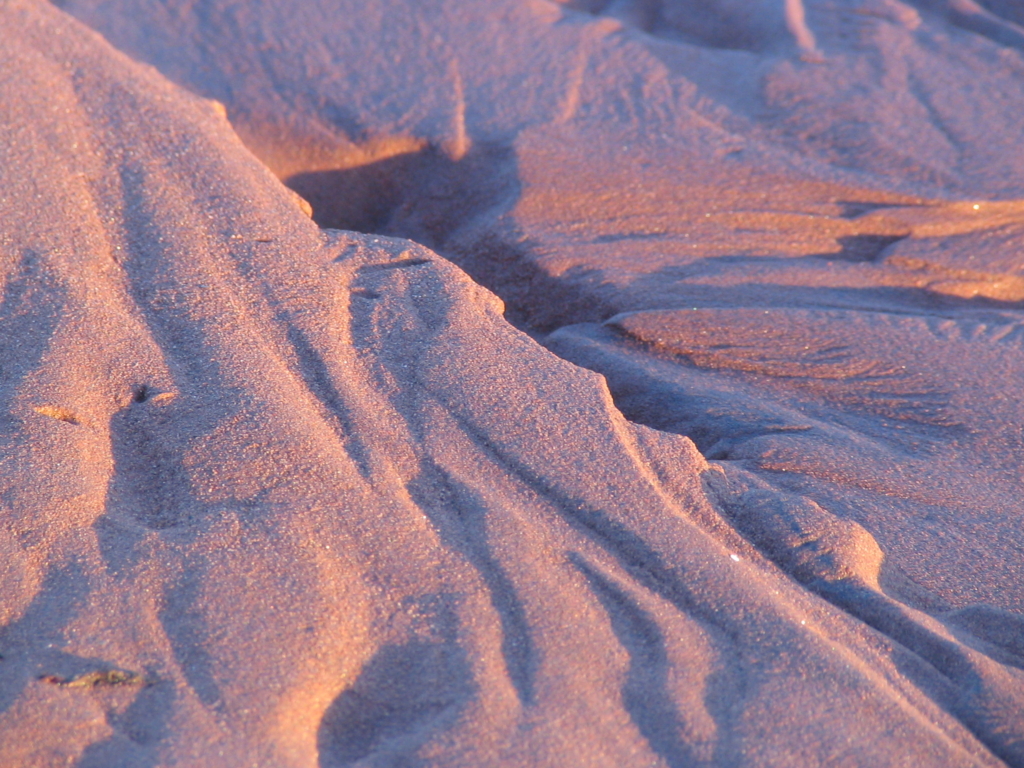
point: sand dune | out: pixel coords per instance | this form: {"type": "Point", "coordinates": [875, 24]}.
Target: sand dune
{"type": "Point", "coordinates": [728, 475]}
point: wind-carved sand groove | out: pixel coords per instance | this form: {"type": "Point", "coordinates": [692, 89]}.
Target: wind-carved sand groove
{"type": "Point", "coordinates": [842, 562]}
{"type": "Point", "coordinates": [374, 290]}
{"type": "Point", "coordinates": [639, 559]}
{"type": "Point", "coordinates": [826, 365]}
{"type": "Point", "coordinates": [461, 514]}
{"type": "Point", "coordinates": [644, 691]}
{"type": "Point", "coordinates": [836, 558]}
{"type": "Point", "coordinates": [462, 522]}
{"type": "Point", "coordinates": [320, 382]}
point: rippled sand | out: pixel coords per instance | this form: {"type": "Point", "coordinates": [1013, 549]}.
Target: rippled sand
{"type": "Point", "coordinates": [511, 383]}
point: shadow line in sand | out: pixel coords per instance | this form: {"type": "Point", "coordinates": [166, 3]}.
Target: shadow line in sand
{"type": "Point", "coordinates": [321, 384]}
{"type": "Point", "coordinates": [30, 311]}
{"type": "Point", "coordinates": [644, 693]}
{"type": "Point", "coordinates": [427, 197]}
{"type": "Point", "coordinates": [459, 209]}
{"type": "Point", "coordinates": [137, 731]}
{"type": "Point", "coordinates": [188, 631]}
{"type": "Point", "coordinates": [673, 287]}
{"type": "Point", "coordinates": [463, 526]}
{"type": "Point", "coordinates": [29, 655]}
{"type": "Point", "coordinates": [456, 511]}
{"type": "Point", "coordinates": [406, 694]}
{"type": "Point", "coordinates": [773, 26]}
{"type": "Point", "coordinates": [424, 195]}
{"type": "Point", "coordinates": [983, 697]}
{"type": "Point", "coordinates": [999, 20]}
{"type": "Point", "coordinates": [634, 555]}
{"type": "Point", "coordinates": [149, 483]}
{"type": "Point", "coordinates": [24, 643]}
{"type": "Point", "coordinates": [863, 247]}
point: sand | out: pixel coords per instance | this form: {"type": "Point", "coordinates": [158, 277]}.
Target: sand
{"type": "Point", "coordinates": [511, 383]}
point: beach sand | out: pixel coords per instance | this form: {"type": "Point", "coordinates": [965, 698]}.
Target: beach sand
{"type": "Point", "coordinates": [511, 383]}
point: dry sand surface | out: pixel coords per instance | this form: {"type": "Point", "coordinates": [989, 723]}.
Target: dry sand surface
{"type": "Point", "coordinates": [408, 383]}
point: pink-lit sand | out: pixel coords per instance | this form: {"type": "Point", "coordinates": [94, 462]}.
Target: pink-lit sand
{"type": "Point", "coordinates": [470, 383]}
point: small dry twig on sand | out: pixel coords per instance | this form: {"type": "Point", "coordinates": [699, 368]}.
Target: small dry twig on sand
{"type": "Point", "coordinates": [110, 677]}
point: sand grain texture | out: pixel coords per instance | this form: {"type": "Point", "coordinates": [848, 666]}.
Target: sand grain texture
{"type": "Point", "coordinates": [278, 495]}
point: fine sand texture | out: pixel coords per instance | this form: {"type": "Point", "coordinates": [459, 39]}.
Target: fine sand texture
{"type": "Point", "coordinates": [471, 383]}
